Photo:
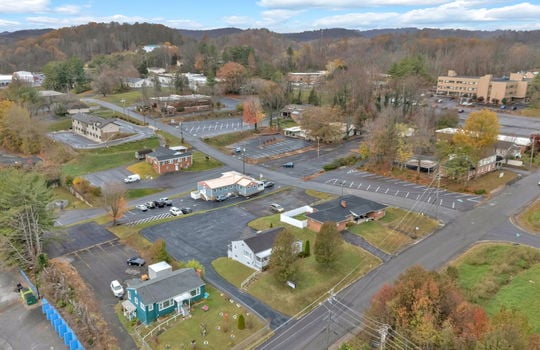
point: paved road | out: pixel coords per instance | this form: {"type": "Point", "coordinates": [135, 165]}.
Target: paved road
{"type": "Point", "coordinates": [510, 124]}
{"type": "Point", "coordinates": [333, 319]}
{"type": "Point", "coordinates": [486, 222]}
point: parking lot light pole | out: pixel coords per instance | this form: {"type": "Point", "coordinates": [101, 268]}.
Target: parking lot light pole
{"type": "Point", "coordinates": [244, 161]}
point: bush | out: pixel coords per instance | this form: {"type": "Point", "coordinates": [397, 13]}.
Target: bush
{"type": "Point", "coordinates": [241, 322]}
{"type": "Point", "coordinates": [339, 162]}
{"type": "Point", "coordinates": [480, 191]}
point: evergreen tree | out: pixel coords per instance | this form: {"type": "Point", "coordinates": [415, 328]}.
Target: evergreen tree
{"type": "Point", "coordinates": [307, 251]}
{"type": "Point", "coordinates": [241, 322]}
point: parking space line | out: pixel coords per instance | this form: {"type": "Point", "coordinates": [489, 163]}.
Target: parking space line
{"type": "Point", "coordinates": [367, 189]}
{"type": "Point", "coordinates": [387, 189]}
{"type": "Point", "coordinates": [352, 183]}
{"type": "Point", "coordinates": [453, 205]}
{"type": "Point", "coordinates": [377, 190]}
{"type": "Point", "coordinates": [396, 193]}
{"type": "Point", "coordinates": [429, 199]}
{"type": "Point", "coordinates": [360, 185]}
{"type": "Point", "coordinates": [407, 195]}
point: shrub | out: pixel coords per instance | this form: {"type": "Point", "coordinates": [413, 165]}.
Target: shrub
{"type": "Point", "coordinates": [241, 322]}
{"type": "Point", "coordinates": [480, 191]}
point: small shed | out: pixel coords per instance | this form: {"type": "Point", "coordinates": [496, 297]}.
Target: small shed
{"type": "Point", "coordinates": [159, 269]}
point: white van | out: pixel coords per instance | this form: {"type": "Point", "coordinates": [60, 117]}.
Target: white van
{"type": "Point", "coordinates": [132, 178]}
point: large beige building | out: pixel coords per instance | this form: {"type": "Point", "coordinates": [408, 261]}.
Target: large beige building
{"type": "Point", "coordinates": [487, 88]}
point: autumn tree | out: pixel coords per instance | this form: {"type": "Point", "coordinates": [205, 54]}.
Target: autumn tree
{"type": "Point", "coordinates": [114, 200]}
{"type": "Point", "coordinates": [283, 258]}
{"type": "Point", "coordinates": [24, 216]}
{"type": "Point", "coordinates": [328, 244]}
{"type": "Point", "coordinates": [322, 123]}
{"type": "Point", "coordinates": [382, 137]}
{"type": "Point", "coordinates": [272, 97]}
{"type": "Point", "coordinates": [533, 91]}
{"type": "Point", "coordinates": [18, 132]}
{"type": "Point", "coordinates": [428, 309]}
{"type": "Point", "coordinates": [479, 132]}
{"type": "Point", "coordinates": [158, 252]}
{"type": "Point", "coordinates": [232, 76]}
{"type": "Point", "coordinates": [25, 95]}
{"type": "Point", "coordinates": [252, 112]}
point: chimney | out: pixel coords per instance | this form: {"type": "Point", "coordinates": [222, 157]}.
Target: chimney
{"type": "Point", "coordinates": [343, 203]}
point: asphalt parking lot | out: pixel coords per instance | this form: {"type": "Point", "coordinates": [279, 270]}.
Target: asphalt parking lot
{"type": "Point", "coordinates": [22, 326]}
{"type": "Point", "coordinates": [205, 237]}
{"type": "Point", "coordinates": [99, 258]}
{"type": "Point", "coordinates": [213, 127]}
{"type": "Point", "coordinates": [266, 146]}
{"type": "Point", "coordinates": [360, 180]}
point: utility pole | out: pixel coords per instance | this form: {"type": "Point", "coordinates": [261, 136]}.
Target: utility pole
{"type": "Point", "coordinates": [383, 332]}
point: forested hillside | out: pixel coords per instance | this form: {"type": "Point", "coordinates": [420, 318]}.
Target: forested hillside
{"type": "Point", "coordinates": [467, 52]}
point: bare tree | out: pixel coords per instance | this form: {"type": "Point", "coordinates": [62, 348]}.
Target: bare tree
{"type": "Point", "coordinates": [323, 124]}
{"type": "Point", "coordinates": [114, 200]}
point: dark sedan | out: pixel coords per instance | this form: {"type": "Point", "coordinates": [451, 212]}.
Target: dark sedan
{"type": "Point", "coordinates": [136, 261]}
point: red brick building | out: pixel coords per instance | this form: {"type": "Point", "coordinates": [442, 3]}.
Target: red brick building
{"type": "Point", "coordinates": [165, 160]}
{"type": "Point", "coordinates": [344, 210]}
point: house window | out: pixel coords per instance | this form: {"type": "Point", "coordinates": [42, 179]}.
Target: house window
{"type": "Point", "coordinates": [150, 307]}
{"type": "Point", "coordinates": [129, 294]}
{"type": "Point", "coordinates": [195, 292]}
{"type": "Point", "coordinates": [135, 301]}
{"type": "Point", "coordinates": [247, 253]}
{"type": "Point", "coordinates": [165, 304]}
{"type": "Point", "coordinates": [142, 305]}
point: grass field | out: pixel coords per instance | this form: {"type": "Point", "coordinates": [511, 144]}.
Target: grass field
{"type": "Point", "coordinates": [313, 281]}
{"type": "Point", "coordinates": [232, 270]}
{"type": "Point", "coordinates": [129, 97]}
{"type": "Point", "coordinates": [397, 229]}
{"type": "Point", "coordinates": [485, 183]}
{"type": "Point", "coordinates": [530, 218]}
{"type": "Point", "coordinates": [106, 158]}
{"type": "Point", "coordinates": [495, 275]}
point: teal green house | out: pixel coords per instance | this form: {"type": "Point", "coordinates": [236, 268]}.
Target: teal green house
{"type": "Point", "coordinates": [172, 291]}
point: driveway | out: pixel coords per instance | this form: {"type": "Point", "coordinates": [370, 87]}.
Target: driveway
{"type": "Point", "coordinates": [22, 326]}
{"type": "Point", "coordinates": [99, 258]}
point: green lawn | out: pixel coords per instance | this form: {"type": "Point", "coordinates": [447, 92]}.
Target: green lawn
{"type": "Point", "coordinates": [201, 162]}
{"type": "Point", "coordinates": [497, 274]}
{"type": "Point", "coordinates": [141, 192]}
{"type": "Point", "coordinates": [523, 294]}
{"type": "Point", "coordinates": [313, 280]}
{"type": "Point", "coordinates": [380, 236]}
{"type": "Point", "coordinates": [530, 218]}
{"type": "Point", "coordinates": [61, 124]}
{"type": "Point", "coordinates": [409, 222]}
{"type": "Point", "coordinates": [130, 98]}
{"type": "Point", "coordinates": [232, 270]}
{"type": "Point", "coordinates": [221, 321]}
{"type": "Point", "coordinates": [106, 158]}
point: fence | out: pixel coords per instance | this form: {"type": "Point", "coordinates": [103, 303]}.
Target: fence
{"type": "Point", "coordinates": [60, 326]}
{"type": "Point", "coordinates": [288, 217]}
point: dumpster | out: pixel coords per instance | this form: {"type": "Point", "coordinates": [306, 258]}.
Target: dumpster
{"type": "Point", "coordinates": [27, 296]}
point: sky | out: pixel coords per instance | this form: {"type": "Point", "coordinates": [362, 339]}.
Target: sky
{"type": "Point", "coordinates": [282, 16]}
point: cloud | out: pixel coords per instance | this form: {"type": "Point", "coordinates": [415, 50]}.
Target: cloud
{"type": "Point", "coordinates": [182, 23]}
{"type": "Point", "coordinates": [4, 23]}
{"type": "Point", "coordinates": [237, 20]}
{"type": "Point", "coordinates": [23, 6]}
{"type": "Point", "coordinates": [457, 14]}
{"type": "Point", "coordinates": [68, 9]}
{"type": "Point", "coordinates": [336, 4]}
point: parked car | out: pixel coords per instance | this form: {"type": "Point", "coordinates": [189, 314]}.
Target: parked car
{"type": "Point", "coordinates": [159, 204]}
{"type": "Point", "coordinates": [461, 110]}
{"type": "Point", "coordinates": [186, 210]}
{"type": "Point", "coordinates": [175, 211]}
{"type": "Point", "coordinates": [132, 178]}
{"type": "Point", "coordinates": [166, 201]}
{"type": "Point", "coordinates": [221, 197]}
{"type": "Point", "coordinates": [141, 207]}
{"type": "Point", "coordinates": [502, 107]}
{"type": "Point", "coordinates": [276, 208]}
{"type": "Point", "coordinates": [136, 260]}
{"type": "Point", "coordinates": [288, 165]}
{"type": "Point", "coordinates": [150, 205]}
{"type": "Point", "coordinates": [268, 184]}
{"type": "Point", "coordinates": [117, 289]}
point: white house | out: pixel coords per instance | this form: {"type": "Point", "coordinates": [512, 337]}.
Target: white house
{"type": "Point", "coordinates": [230, 183]}
{"type": "Point", "coordinates": [255, 252]}
{"type": "Point", "coordinates": [5, 80]}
